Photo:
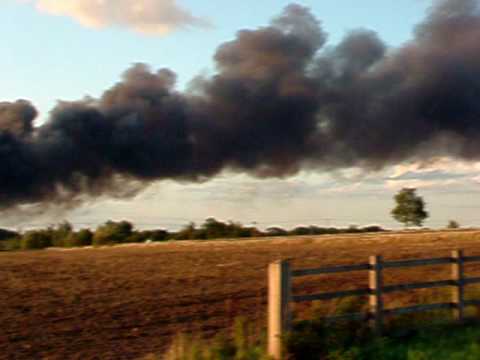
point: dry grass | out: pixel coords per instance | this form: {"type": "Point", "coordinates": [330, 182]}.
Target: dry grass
{"type": "Point", "coordinates": [125, 302]}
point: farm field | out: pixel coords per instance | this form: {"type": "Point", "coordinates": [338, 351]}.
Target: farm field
{"type": "Point", "coordinates": [127, 301]}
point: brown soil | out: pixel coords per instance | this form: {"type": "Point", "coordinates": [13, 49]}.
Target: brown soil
{"type": "Point", "coordinates": [125, 302]}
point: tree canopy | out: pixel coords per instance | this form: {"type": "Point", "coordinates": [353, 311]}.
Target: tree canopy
{"type": "Point", "coordinates": [410, 208]}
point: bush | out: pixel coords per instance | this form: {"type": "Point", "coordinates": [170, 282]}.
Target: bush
{"type": "Point", "coordinates": [9, 240]}
{"type": "Point", "coordinates": [452, 224]}
{"type": "Point", "coordinates": [373, 228]}
{"type": "Point", "coordinates": [81, 238]}
{"type": "Point", "coordinates": [36, 239]}
{"type": "Point", "coordinates": [8, 234]}
{"type": "Point", "coordinates": [353, 229]}
{"type": "Point", "coordinates": [11, 244]}
{"type": "Point", "coordinates": [60, 234]}
{"type": "Point", "coordinates": [215, 229]}
{"type": "Point", "coordinates": [301, 230]}
{"type": "Point", "coordinates": [158, 235]}
{"type": "Point", "coordinates": [188, 232]}
{"type": "Point", "coordinates": [112, 233]}
{"type": "Point", "coordinates": [137, 237]}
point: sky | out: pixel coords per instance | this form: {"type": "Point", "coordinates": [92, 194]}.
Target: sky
{"type": "Point", "coordinates": [66, 50]}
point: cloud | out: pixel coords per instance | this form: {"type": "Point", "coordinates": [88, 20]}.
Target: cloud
{"type": "Point", "coordinates": [152, 17]}
{"type": "Point", "coordinates": [424, 184]}
{"type": "Point", "coordinates": [439, 174]}
{"type": "Point", "coordinates": [437, 165]}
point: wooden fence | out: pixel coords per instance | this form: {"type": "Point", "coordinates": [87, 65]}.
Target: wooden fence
{"type": "Point", "coordinates": [280, 294]}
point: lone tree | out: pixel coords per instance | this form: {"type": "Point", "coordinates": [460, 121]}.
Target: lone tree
{"type": "Point", "coordinates": [410, 209]}
{"type": "Point", "coordinates": [453, 224]}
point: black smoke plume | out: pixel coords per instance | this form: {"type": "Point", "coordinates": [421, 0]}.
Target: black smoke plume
{"type": "Point", "coordinates": [280, 101]}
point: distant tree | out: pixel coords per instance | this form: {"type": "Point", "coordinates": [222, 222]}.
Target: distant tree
{"type": "Point", "coordinates": [60, 233]}
{"type": "Point", "coordinates": [36, 239]}
{"type": "Point", "coordinates": [11, 244]}
{"type": "Point", "coordinates": [352, 229]}
{"type": "Point", "coordinates": [452, 224]}
{"type": "Point", "coordinates": [372, 228]}
{"type": "Point", "coordinates": [301, 230]}
{"type": "Point", "coordinates": [158, 235]}
{"type": "Point", "coordinates": [215, 229]}
{"type": "Point", "coordinates": [7, 234]}
{"type": "Point", "coordinates": [410, 208]}
{"type": "Point", "coordinates": [237, 230]}
{"type": "Point", "coordinates": [188, 232]}
{"type": "Point", "coordinates": [253, 231]}
{"type": "Point", "coordinates": [65, 227]}
{"type": "Point", "coordinates": [276, 231]}
{"type": "Point", "coordinates": [112, 233]}
{"type": "Point", "coordinates": [138, 237]}
{"type": "Point", "coordinates": [81, 238]}
{"type": "Point", "coordinates": [318, 230]}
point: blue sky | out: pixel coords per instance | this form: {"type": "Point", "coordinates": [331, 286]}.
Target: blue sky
{"type": "Point", "coordinates": [46, 57]}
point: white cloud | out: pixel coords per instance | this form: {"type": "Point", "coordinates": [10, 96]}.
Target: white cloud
{"type": "Point", "coordinates": [422, 184]}
{"type": "Point", "coordinates": [153, 17]}
{"type": "Point", "coordinates": [438, 165]}
{"type": "Point", "coordinates": [441, 174]}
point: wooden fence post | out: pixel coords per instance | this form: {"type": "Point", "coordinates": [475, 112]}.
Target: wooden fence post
{"type": "Point", "coordinates": [375, 297]}
{"type": "Point", "coordinates": [458, 289]}
{"type": "Point", "coordinates": [279, 292]}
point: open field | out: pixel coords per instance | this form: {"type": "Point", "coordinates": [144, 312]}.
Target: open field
{"type": "Point", "coordinates": [125, 302]}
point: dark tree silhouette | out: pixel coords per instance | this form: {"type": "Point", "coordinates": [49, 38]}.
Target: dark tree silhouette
{"type": "Point", "coordinates": [453, 224]}
{"type": "Point", "coordinates": [410, 208]}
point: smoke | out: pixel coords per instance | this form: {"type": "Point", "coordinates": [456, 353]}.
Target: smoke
{"type": "Point", "coordinates": [280, 101]}
{"type": "Point", "coordinates": [154, 17]}
{"type": "Point", "coordinates": [17, 117]}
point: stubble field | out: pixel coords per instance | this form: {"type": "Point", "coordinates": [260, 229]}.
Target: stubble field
{"type": "Point", "coordinates": [125, 302]}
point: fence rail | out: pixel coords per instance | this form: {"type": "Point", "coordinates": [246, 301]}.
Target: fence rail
{"type": "Point", "coordinates": [280, 292]}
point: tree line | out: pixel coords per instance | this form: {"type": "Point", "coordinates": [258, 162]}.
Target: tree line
{"type": "Point", "coordinates": [124, 232]}
{"type": "Point", "coordinates": [409, 210]}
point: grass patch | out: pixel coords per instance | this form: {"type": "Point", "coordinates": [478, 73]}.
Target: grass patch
{"type": "Point", "coordinates": [423, 336]}
{"type": "Point", "coordinates": [244, 343]}
{"type": "Point", "coordinates": [441, 343]}
{"type": "Point", "coordinates": [446, 342]}
{"type": "Point", "coordinates": [434, 338]}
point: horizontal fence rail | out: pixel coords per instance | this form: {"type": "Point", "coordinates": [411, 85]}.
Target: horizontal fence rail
{"type": "Point", "coordinates": [330, 270]}
{"type": "Point", "coordinates": [416, 262]}
{"type": "Point", "coordinates": [416, 286]}
{"type": "Point", "coordinates": [280, 292]}
{"type": "Point", "coordinates": [331, 295]}
{"type": "Point", "coordinates": [418, 308]}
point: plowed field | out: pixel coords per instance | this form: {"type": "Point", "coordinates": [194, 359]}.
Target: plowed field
{"type": "Point", "coordinates": [127, 301]}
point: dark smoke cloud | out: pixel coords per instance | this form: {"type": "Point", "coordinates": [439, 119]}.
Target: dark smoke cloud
{"type": "Point", "coordinates": [17, 118]}
{"type": "Point", "coordinates": [280, 101]}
